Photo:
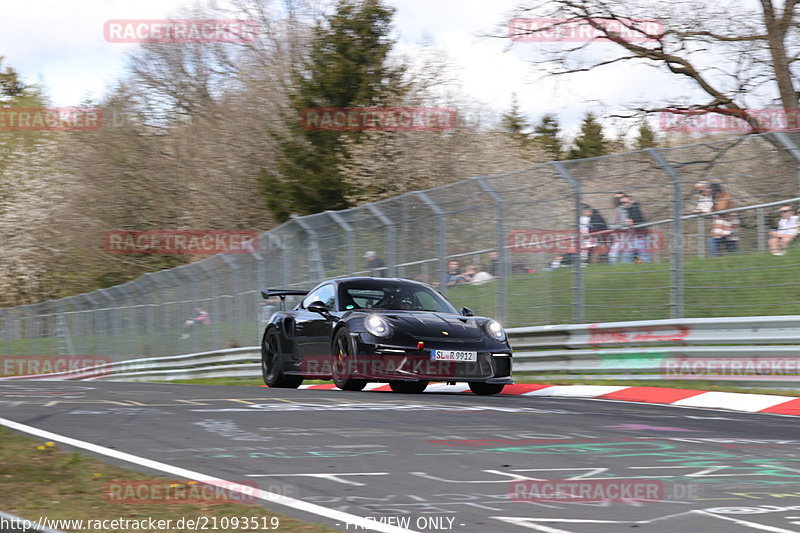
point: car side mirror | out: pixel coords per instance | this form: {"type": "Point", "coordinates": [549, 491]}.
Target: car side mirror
{"type": "Point", "coordinates": [319, 307]}
{"type": "Point", "coordinates": [466, 311]}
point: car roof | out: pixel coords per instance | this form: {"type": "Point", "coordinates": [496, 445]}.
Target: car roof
{"type": "Point", "coordinates": [359, 279]}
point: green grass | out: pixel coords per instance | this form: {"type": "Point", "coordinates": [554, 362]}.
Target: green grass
{"type": "Point", "coordinates": [747, 284]}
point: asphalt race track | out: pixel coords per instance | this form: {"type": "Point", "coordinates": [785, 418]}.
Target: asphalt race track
{"type": "Point", "coordinates": [445, 462]}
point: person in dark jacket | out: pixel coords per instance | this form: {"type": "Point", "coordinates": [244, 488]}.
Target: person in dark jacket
{"type": "Point", "coordinates": [640, 249]}
{"type": "Point", "coordinates": [375, 265]}
{"type": "Point", "coordinates": [598, 229]}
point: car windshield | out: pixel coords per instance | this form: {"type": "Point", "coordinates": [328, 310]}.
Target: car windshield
{"type": "Point", "coordinates": [393, 296]}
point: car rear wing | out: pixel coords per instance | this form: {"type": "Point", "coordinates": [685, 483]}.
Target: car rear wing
{"type": "Point", "coordinates": [282, 294]}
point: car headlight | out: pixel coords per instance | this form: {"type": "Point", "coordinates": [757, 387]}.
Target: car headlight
{"type": "Point", "coordinates": [495, 330]}
{"type": "Point", "coordinates": [377, 326]}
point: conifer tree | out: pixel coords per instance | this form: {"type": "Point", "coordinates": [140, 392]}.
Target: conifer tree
{"type": "Point", "coordinates": [347, 66]}
{"type": "Point", "coordinates": [646, 138]}
{"type": "Point", "coordinates": [513, 123]}
{"type": "Point", "coordinates": [546, 135]}
{"type": "Point", "coordinates": [590, 142]}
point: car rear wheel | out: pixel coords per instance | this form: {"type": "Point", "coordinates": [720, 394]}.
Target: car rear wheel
{"type": "Point", "coordinates": [485, 389]}
{"type": "Point", "coordinates": [408, 387]}
{"type": "Point", "coordinates": [271, 361]}
{"type": "Point", "coordinates": [342, 363]}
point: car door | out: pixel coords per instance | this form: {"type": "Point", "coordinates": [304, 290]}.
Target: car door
{"type": "Point", "coordinates": [313, 330]}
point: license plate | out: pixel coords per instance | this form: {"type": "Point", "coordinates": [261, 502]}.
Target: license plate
{"type": "Point", "coordinates": [453, 355]}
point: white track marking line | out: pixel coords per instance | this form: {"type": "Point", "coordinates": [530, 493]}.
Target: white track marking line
{"type": "Point", "coordinates": [350, 519]}
{"type": "Point", "coordinates": [752, 525]}
{"type": "Point", "coordinates": [535, 523]}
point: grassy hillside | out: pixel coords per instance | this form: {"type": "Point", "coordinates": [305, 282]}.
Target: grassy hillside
{"type": "Point", "coordinates": [729, 285]}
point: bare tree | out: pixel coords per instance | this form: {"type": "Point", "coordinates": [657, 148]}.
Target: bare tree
{"type": "Point", "coordinates": [384, 163]}
{"type": "Point", "coordinates": [731, 55]}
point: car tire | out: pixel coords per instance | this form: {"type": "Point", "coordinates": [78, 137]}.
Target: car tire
{"type": "Point", "coordinates": [485, 389]}
{"type": "Point", "coordinates": [408, 387]}
{"type": "Point", "coordinates": [342, 353]}
{"type": "Point", "coordinates": [271, 360]}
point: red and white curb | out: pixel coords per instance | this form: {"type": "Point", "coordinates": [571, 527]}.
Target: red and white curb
{"type": "Point", "coordinates": [731, 401]}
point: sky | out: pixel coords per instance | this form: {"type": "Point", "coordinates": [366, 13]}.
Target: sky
{"type": "Point", "coordinates": [60, 44]}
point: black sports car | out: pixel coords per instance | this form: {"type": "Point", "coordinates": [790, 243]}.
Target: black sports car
{"type": "Point", "coordinates": [357, 330]}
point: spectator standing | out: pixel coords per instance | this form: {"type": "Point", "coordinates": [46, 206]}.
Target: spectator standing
{"type": "Point", "coordinates": [619, 223]}
{"type": "Point", "coordinates": [723, 234]}
{"type": "Point", "coordinates": [640, 248]}
{"type": "Point", "coordinates": [586, 240]}
{"type": "Point", "coordinates": [598, 229]}
{"type": "Point", "coordinates": [785, 232]}
{"type": "Point", "coordinates": [705, 202]}
{"type": "Point", "coordinates": [375, 265]}
{"type": "Point", "coordinates": [721, 200]}
{"type": "Point", "coordinates": [454, 273]}
{"type": "Point", "coordinates": [724, 226]}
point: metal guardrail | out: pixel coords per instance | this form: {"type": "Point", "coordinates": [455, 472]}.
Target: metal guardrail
{"type": "Point", "coordinates": [648, 349]}
{"type": "Point", "coordinates": [232, 362]}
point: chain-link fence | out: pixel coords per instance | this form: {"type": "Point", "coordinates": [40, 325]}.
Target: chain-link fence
{"type": "Point", "coordinates": [522, 229]}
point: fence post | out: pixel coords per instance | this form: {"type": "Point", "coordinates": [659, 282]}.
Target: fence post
{"type": "Point", "coordinates": [187, 270]}
{"type": "Point", "coordinates": [342, 223]}
{"type": "Point", "coordinates": [173, 303]}
{"type": "Point", "coordinates": [676, 258]}
{"type": "Point", "coordinates": [107, 323]}
{"type": "Point", "coordinates": [701, 237]}
{"type": "Point", "coordinates": [501, 245]}
{"type": "Point", "coordinates": [790, 147]}
{"type": "Point", "coordinates": [237, 297]}
{"type": "Point", "coordinates": [578, 284]}
{"type": "Point", "coordinates": [153, 289]}
{"type": "Point", "coordinates": [761, 228]}
{"type": "Point", "coordinates": [125, 334]}
{"type": "Point", "coordinates": [315, 256]}
{"type": "Point", "coordinates": [442, 231]}
{"type": "Point", "coordinates": [260, 284]}
{"type": "Point", "coordinates": [213, 308]}
{"type": "Point", "coordinates": [391, 237]}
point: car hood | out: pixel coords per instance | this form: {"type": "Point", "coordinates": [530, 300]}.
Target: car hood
{"type": "Point", "coordinates": [434, 325]}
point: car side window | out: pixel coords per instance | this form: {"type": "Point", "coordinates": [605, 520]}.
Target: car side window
{"type": "Point", "coordinates": [325, 294]}
{"type": "Point", "coordinates": [427, 301]}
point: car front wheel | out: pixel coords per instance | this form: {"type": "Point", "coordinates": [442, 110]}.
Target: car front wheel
{"type": "Point", "coordinates": [343, 363]}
